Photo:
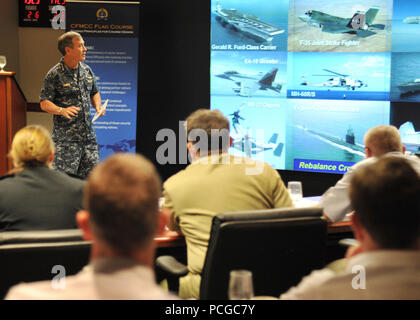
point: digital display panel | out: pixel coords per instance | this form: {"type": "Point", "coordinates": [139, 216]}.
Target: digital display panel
{"type": "Point", "coordinates": [37, 13]}
{"type": "Point", "coordinates": [302, 80]}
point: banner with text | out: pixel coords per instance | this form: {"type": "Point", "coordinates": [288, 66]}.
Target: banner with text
{"type": "Point", "coordinates": [110, 32]}
{"type": "Point", "coordinates": [326, 166]}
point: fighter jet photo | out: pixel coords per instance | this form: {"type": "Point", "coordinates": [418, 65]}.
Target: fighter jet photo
{"type": "Point", "coordinates": [247, 85]}
{"type": "Point", "coordinates": [361, 24]}
{"type": "Point", "coordinates": [338, 81]}
{"type": "Point", "coordinates": [244, 142]}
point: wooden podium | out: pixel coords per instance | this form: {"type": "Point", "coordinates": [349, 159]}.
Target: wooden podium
{"type": "Point", "coordinates": [12, 116]}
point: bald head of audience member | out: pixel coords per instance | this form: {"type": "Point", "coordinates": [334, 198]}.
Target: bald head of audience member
{"type": "Point", "coordinates": [121, 202]}
{"type": "Point", "coordinates": [382, 139]}
{"type": "Point", "coordinates": [385, 198]}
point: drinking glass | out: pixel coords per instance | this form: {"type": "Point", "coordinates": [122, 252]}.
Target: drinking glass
{"type": "Point", "coordinates": [3, 62]}
{"type": "Point", "coordinates": [295, 190]}
{"type": "Point", "coordinates": [161, 202]}
{"type": "Point", "coordinates": [240, 285]}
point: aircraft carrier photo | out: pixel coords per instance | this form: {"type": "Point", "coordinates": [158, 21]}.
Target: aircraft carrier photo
{"type": "Point", "coordinates": [247, 24]}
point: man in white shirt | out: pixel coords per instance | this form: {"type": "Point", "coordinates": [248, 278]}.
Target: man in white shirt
{"type": "Point", "coordinates": [121, 218]}
{"type": "Point", "coordinates": [386, 222]}
{"type": "Point", "coordinates": [379, 141]}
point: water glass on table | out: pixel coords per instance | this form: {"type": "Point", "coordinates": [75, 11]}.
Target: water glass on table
{"type": "Point", "coordinates": [3, 62]}
{"type": "Point", "coordinates": [240, 285]}
{"type": "Point", "coordinates": [295, 191]}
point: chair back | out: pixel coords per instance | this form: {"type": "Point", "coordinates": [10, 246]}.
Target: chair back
{"type": "Point", "coordinates": [279, 247]}
{"type": "Point", "coordinates": [28, 256]}
{"type": "Point", "coordinates": [40, 236]}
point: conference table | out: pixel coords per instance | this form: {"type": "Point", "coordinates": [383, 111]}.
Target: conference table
{"type": "Point", "coordinates": [339, 227]}
{"type": "Point", "coordinates": [169, 238]}
{"type": "Point", "coordinates": [172, 242]}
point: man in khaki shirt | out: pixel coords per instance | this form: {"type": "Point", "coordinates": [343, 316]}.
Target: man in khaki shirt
{"type": "Point", "coordinates": [213, 183]}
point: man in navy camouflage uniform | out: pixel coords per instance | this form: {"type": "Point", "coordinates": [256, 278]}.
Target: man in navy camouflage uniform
{"type": "Point", "coordinates": [68, 91]}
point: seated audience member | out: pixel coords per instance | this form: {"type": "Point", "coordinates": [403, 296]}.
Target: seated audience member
{"type": "Point", "coordinates": [121, 219]}
{"type": "Point", "coordinates": [386, 221]}
{"type": "Point", "coordinates": [215, 182]}
{"type": "Point", "coordinates": [379, 141]}
{"type": "Point", "coordinates": [34, 196]}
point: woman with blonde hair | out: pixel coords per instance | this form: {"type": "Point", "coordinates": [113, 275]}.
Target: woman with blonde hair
{"type": "Point", "coordinates": [34, 196]}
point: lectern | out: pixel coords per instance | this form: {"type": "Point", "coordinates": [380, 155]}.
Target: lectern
{"type": "Point", "coordinates": [12, 115]}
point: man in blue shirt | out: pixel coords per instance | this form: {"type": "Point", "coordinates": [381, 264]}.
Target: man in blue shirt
{"type": "Point", "coordinates": [68, 91]}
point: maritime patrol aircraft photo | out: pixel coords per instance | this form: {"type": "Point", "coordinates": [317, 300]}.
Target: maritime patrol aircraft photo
{"type": "Point", "coordinates": [247, 85]}
{"type": "Point", "coordinates": [340, 81]}
{"type": "Point", "coordinates": [244, 142]}
{"type": "Point", "coordinates": [361, 24]}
